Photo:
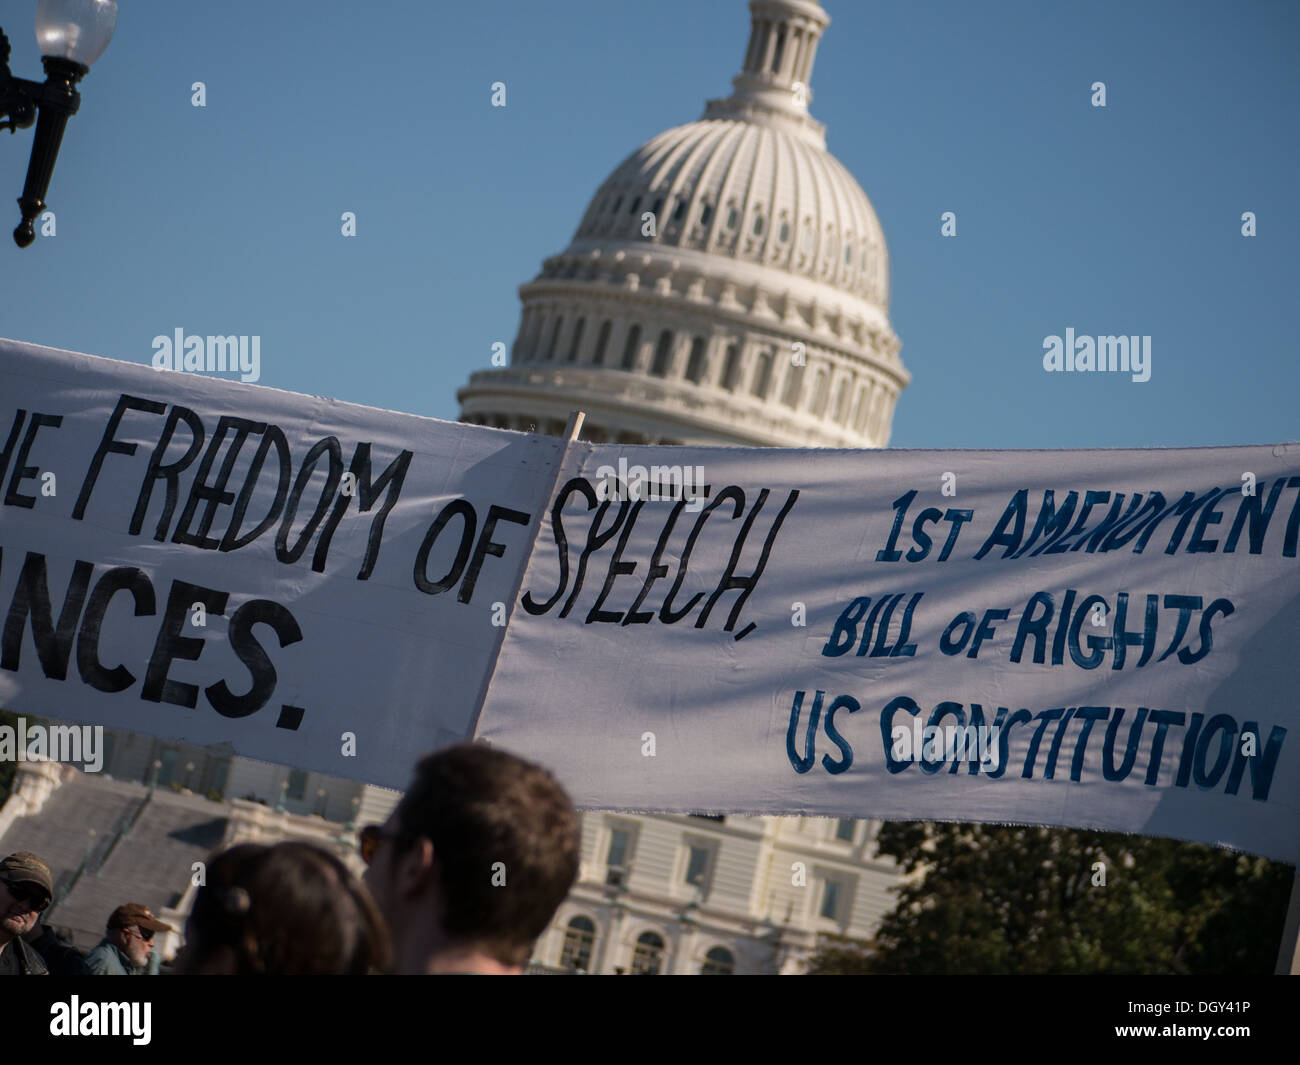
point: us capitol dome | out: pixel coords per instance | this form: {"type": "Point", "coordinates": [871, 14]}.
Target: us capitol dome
{"type": "Point", "coordinates": [728, 283]}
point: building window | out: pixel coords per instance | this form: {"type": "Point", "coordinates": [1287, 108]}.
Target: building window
{"type": "Point", "coordinates": [577, 339]}
{"type": "Point", "coordinates": [618, 202]}
{"type": "Point", "coordinates": [733, 218]}
{"type": "Point", "coordinates": [619, 856]}
{"type": "Point", "coordinates": [848, 252]}
{"type": "Point", "coordinates": [731, 368]}
{"type": "Point", "coordinates": [629, 349]}
{"type": "Point", "coordinates": [706, 214]}
{"type": "Point", "coordinates": [602, 339]}
{"type": "Point", "coordinates": [844, 829]}
{"type": "Point", "coordinates": [648, 956]}
{"type": "Point", "coordinates": [831, 899]}
{"type": "Point", "coordinates": [695, 366]}
{"type": "Point", "coordinates": [662, 353]}
{"type": "Point", "coordinates": [659, 202]}
{"type": "Point", "coordinates": [783, 234]}
{"type": "Point", "coordinates": [618, 848]}
{"type": "Point", "coordinates": [697, 866]}
{"type": "Point", "coordinates": [636, 202]}
{"type": "Point", "coordinates": [297, 784]}
{"type": "Point", "coordinates": [758, 225]}
{"type": "Point", "coordinates": [860, 416]}
{"type": "Point", "coordinates": [718, 962]}
{"type": "Point", "coordinates": [555, 337]}
{"type": "Point", "coordinates": [841, 402]}
{"type": "Point", "coordinates": [680, 212]}
{"type": "Point", "coordinates": [793, 385]}
{"type": "Point", "coordinates": [763, 375]}
{"type": "Point", "coordinates": [819, 393]}
{"type": "Point", "coordinates": [579, 941]}
{"type": "Point", "coordinates": [780, 49]}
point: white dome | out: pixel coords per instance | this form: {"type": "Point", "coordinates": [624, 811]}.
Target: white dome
{"type": "Point", "coordinates": [745, 191]}
{"type": "Point", "coordinates": [728, 282]}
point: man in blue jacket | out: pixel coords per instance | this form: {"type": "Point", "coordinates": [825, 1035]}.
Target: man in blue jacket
{"type": "Point", "coordinates": [127, 946]}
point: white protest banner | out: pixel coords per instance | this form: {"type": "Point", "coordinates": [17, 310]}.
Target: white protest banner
{"type": "Point", "coordinates": [1089, 638]}
{"type": "Point", "coordinates": [315, 583]}
{"type": "Point", "coordinates": [1102, 639]}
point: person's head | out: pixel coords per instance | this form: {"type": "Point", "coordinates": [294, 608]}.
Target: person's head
{"type": "Point", "coordinates": [26, 888]}
{"type": "Point", "coordinates": [131, 928]}
{"type": "Point", "coordinates": [475, 859]}
{"type": "Point", "coordinates": [288, 909]}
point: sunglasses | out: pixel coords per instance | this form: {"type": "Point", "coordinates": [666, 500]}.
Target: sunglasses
{"type": "Point", "coordinates": [144, 933]}
{"type": "Point", "coordinates": [369, 838]}
{"type": "Point", "coordinates": [32, 894]}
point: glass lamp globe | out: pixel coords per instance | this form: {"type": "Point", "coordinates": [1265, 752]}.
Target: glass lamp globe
{"type": "Point", "coordinates": [75, 29]}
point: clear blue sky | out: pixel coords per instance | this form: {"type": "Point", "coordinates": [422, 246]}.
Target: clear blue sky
{"type": "Point", "coordinates": [1118, 220]}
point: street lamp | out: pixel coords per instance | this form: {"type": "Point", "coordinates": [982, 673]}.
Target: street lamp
{"type": "Point", "coordinates": [71, 34]}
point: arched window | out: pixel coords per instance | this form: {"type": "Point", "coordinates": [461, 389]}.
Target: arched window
{"type": "Point", "coordinates": [579, 941]}
{"type": "Point", "coordinates": [731, 368]}
{"type": "Point", "coordinates": [636, 202]}
{"type": "Point", "coordinates": [648, 956]}
{"type": "Point", "coordinates": [793, 385]}
{"type": "Point", "coordinates": [695, 366]}
{"type": "Point", "coordinates": [602, 340]}
{"type": "Point", "coordinates": [706, 214]}
{"type": "Point", "coordinates": [818, 405]}
{"type": "Point", "coordinates": [577, 339]}
{"type": "Point", "coordinates": [758, 225]}
{"type": "Point", "coordinates": [663, 352]}
{"type": "Point", "coordinates": [680, 211]}
{"type": "Point", "coordinates": [630, 348]}
{"type": "Point", "coordinates": [718, 962]}
{"type": "Point", "coordinates": [783, 234]}
{"type": "Point", "coordinates": [618, 202]}
{"type": "Point", "coordinates": [555, 336]}
{"type": "Point", "coordinates": [763, 375]}
{"type": "Point", "coordinates": [733, 218]}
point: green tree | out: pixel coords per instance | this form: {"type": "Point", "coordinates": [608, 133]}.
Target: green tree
{"type": "Point", "coordinates": [1000, 899]}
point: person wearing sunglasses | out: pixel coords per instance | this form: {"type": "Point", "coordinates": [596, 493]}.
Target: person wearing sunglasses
{"type": "Point", "coordinates": [127, 946]}
{"type": "Point", "coordinates": [473, 863]}
{"type": "Point", "coordinates": [26, 888]}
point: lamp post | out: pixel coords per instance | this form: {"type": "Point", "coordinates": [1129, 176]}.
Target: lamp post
{"type": "Point", "coordinates": [71, 34]}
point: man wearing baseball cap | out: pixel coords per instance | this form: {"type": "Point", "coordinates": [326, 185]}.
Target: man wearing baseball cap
{"type": "Point", "coordinates": [26, 888]}
{"type": "Point", "coordinates": [127, 946]}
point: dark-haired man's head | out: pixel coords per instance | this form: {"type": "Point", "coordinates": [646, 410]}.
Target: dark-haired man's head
{"type": "Point", "coordinates": [288, 909]}
{"type": "Point", "coordinates": [473, 862]}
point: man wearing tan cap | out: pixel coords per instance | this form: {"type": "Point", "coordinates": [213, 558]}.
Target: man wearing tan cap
{"type": "Point", "coordinates": [26, 888]}
{"type": "Point", "coordinates": [127, 946]}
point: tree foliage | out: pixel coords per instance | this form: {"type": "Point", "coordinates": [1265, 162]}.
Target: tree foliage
{"type": "Point", "coordinates": [1004, 899]}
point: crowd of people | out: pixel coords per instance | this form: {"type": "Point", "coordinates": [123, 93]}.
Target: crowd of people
{"type": "Point", "coordinates": [462, 878]}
